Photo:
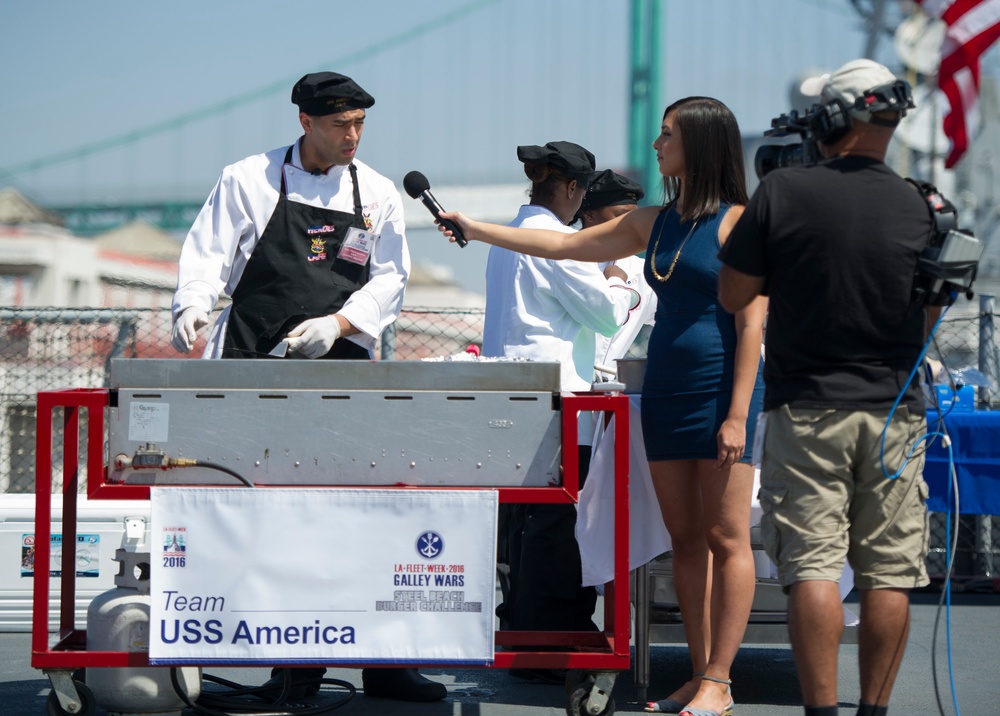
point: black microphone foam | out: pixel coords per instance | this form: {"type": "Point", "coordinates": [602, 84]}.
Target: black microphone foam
{"type": "Point", "coordinates": [417, 186]}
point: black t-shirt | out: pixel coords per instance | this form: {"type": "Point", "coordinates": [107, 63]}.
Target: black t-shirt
{"type": "Point", "coordinates": [837, 243]}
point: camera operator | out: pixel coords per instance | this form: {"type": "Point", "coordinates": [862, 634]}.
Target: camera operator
{"type": "Point", "coordinates": [835, 245]}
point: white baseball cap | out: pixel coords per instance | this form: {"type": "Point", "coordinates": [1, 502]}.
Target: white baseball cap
{"type": "Point", "coordinates": [850, 82]}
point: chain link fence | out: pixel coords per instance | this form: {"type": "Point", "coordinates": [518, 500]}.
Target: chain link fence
{"type": "Point", "coordinates": [54, 348]}
{"type": "Point", "coordinates": [966, 345]}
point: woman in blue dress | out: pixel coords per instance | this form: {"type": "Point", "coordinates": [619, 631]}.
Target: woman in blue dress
{"type": "Point", "coordinates": [702, 389]}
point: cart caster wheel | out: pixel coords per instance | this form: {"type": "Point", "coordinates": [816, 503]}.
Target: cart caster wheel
{"type": "Point", "coordinates": [577, 678]}
{"type": "Point", "coordinates": [578, 702]}
{"type": "Point", "coordinates": [88, 705]}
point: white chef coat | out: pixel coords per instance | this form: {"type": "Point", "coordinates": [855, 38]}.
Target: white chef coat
{"type": "Point", "coordinates": [611, 349]}
{"type": "Point", "coordinates": [550, 310]}
{"type": "Point", "coordinates": [237, 211]}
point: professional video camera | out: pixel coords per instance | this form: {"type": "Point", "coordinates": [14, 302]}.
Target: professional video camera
{"type": "Point", "coordinates": [827, 123]}
{"type": "Point", "coordinates": [948, 264]}
{"type": "Point", "coordinates": [777, 156]}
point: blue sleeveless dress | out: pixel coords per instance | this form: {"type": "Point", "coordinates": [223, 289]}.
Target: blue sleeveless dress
{"type": "Point", "coordinates": [688, 383]}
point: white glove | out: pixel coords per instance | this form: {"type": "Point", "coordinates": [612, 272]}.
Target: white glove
{"type": "Point", "coordinates": [315, 337]}
{"type": "Point", "coordinates": [186, 328]}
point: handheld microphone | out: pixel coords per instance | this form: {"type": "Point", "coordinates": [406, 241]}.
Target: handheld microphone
{"type": "Point", "coordinates": [417, 186]}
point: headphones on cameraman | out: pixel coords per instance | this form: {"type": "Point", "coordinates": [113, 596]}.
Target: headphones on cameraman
{"type": "Point", "coordinates": [832, 120]}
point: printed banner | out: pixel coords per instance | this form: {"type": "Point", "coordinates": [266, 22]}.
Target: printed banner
{"type": "Point", "coordinates": [343, 576]}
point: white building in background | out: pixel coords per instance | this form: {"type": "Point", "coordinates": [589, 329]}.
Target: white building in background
{"type": "Point", "coordinates": [44, 265]}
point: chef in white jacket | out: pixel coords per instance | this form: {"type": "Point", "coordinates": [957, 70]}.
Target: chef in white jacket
{"type": "Point", "coordinates": [309, 243]}
{"type": "Point", "coordinates": [609, 196]}
{"type": "Point", "coordinates": [307, 240]}
{"type": "Point", "coordinates": [545, 309]}
{"type": "Point", "coordinates": [549, 310]}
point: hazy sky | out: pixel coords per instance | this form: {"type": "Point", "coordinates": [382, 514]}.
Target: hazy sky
{"type": "Point", "coordinates": [454, 97]}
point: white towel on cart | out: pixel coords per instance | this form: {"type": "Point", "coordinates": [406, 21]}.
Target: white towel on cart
{"type": "Point", "coordinates": [595, 525]}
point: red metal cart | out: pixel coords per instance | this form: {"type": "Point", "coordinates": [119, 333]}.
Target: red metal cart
{"type": "Point", "coordinates": [598, 657]}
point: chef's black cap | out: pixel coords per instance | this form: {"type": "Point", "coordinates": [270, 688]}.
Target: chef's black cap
{"type": "Point", "coordinates": [571, 159]}
{"type": "Point", "coordinates": [322, 93]}
{"type": "Point", "coordinates": [610, 189]}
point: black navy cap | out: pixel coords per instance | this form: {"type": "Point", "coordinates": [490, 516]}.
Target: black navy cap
{"type": "Point", "coordinates": [322, 93]}
{"type": "Point", "coordinates": [610, 189]}
{"type": "Point", "coordinates": [571, 159]}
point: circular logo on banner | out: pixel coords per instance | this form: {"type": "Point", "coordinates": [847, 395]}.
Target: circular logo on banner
{"type": "Point", "coordinates": [430, 545]}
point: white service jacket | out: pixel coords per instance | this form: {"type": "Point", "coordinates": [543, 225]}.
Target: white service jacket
{"type": "Point", "coordinates": [237, 211]}
{"type": "Point", "coordinates": [550, 310]}
{"type": "Point", "coordinates": [611, 349]}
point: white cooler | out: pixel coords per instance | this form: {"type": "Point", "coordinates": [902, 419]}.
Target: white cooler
{"type": "Point", "coordinates": [100, 526]}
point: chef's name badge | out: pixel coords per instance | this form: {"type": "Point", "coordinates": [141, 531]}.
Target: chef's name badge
{"type": "Point", "coordinates": [357, 246]}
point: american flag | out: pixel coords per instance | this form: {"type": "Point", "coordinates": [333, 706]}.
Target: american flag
{"type": "Point", "coordinates": [972, 26]}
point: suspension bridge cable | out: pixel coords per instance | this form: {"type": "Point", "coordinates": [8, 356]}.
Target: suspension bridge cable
{"type": "Point", "coordinates": [136, 135]}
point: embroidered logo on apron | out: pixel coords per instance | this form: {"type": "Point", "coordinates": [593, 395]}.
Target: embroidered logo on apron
{"type": "Point", "coordinates": [317, 250]}
{"type": "Point", "coordinates": [366, 213]}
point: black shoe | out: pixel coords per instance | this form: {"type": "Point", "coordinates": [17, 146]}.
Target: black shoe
{"type": "Point", "coordinates": [401, 685]}
{"type": "Point", "coordinates": [555, 677]}
{"type": "Point", "coordinates": [305, 683]}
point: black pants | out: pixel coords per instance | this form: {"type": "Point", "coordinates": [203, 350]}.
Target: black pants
{"type": "Point", "coordinates": [537, 544]}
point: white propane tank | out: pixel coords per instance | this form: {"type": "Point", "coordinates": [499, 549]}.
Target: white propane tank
{"type": "Point", "coordinates": [118, 620]}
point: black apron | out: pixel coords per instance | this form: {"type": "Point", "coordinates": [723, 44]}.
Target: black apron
{"type": "Point", "coordinates": [294, 274]}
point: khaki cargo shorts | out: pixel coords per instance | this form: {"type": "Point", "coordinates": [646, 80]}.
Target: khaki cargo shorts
{"type": "Point", "coordinates": [825, 498]}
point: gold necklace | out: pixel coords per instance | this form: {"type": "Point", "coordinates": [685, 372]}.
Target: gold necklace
{"type": "Point", "coordinates": [656, 245]}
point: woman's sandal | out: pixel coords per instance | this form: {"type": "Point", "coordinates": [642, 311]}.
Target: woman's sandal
{"type": "Point", "coordinates": [667, 705]}
{"type": "Point", "coordinates": [728, 711]}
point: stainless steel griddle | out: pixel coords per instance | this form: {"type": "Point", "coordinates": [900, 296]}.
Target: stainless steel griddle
{"type": "Point", "coordinates": [299, 422]}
